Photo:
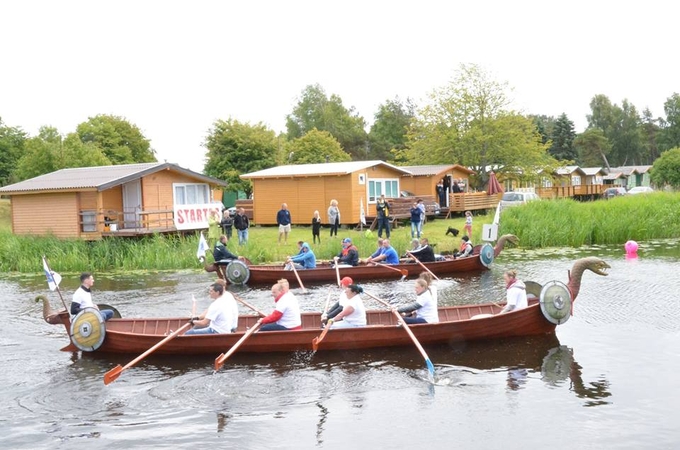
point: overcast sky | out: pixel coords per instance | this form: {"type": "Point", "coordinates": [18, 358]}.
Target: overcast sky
{"type": "Point", "coordinates": [173, 68]}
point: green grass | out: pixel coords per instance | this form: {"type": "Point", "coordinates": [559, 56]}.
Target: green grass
{"type": "Point", "coordinates": [567, 223]}
{"type": "Point", "coordinates": [174, 252]}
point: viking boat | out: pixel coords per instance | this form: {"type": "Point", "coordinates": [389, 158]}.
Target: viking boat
{"type": "Point", "coordinates": [549, 306]}
{"type": "Point", "coordinates": [238, 272]}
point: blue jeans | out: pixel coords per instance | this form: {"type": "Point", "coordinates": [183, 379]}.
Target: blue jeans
{"type": "Point", "coordinates": [273, 327]}
{"type": "Point", "coordinates": [243, 237]}
{"type": "Point", "coordinates": [415, 229]}
{"type": "Point", "coordinates": [384, 222]}
{"type": "Point", "coordinates": [106, 314]}
{"type": "Point", "coordinates": [414, 320]}
{"type": "Point", "coordinates": [206, 330]}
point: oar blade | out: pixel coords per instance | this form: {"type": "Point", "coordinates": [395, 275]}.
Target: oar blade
{"type": "Point", "coordinates": [430, 369]}
{"type": "Point", "coordinates": [315, 343]}
{"type": "Point", "coordinates": [219, 361]}
{"type": "Point", "coordinates": [112, 374]}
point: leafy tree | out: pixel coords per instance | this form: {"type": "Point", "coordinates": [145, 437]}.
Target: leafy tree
{"type": "Point", "coordinates": [12, 141]}
{"type": "Point", "coordinates": [120, 141]}
{"type": "Point", "coordinates": [563, 139]}
{"type": "Point", "coordinates": [236, 148]}
{"type": "Point", "coordinates": [592, 148]}
{"type": "Point", "coordinates": [544, 125]}
{"type": "Point", "coordinates": [670, 126]}
{"type": "Point", "coordinates": [467, 122]}
{"type": "Point", "coordinates": [389, 129]}
{"type": "Point", "coordinates": [315, 147]}
{"type": "Point", "coordinates": [315, 110]}
{"type": "Point", "coordinates": [649, 135]}
{"type": "Point", "coordinates": [666, 169]}
{"type": "Point", "coordinates": [621, 127]}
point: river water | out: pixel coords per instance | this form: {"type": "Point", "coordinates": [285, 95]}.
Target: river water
{"type": "Point", "coordinates": [606, 380]}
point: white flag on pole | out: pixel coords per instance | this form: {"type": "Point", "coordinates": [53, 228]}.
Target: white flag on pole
{"type": "Point", "coordinates": [53, 278]}
{"type": "Point", "coordinates": [202, 247]}
{"type": "Point", "coordinates": [362, 213]}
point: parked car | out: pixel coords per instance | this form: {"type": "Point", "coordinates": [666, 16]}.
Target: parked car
{"type": "Point", "coordinates": [432, 207]}
{"type": "Point", "coordinates": [640, 190]}
{"type": "Point", "coordinates": [613, 192]}
{"type": "Point", "coordinates": [517, 198]}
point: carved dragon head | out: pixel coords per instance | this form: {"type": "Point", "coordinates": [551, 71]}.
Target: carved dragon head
{"type": "Point", "coordinates": [592, 263]}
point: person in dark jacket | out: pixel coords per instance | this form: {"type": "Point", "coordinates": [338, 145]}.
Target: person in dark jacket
{"type": "Point", "coordinates": [382, 208]}
{"type": "Point", "coordinates": [284, 220]}
{"type": "Point", "coordinates": [349, 256]}
{"type": "Point", "coordinates": [241, 223]}
{"type": "Point", "coordinates": [227, 223]}
{"type": "Point", "coordinates": [424, 253]}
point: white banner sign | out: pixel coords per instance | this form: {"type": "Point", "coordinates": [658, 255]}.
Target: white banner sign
{"type": "Point", "coordinates": [194, 217]}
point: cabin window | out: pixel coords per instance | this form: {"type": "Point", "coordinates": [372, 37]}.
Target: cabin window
{"type": "Point", "coordinates": [191, 194]}
{"type": "Point", "coordinates": [377, 187]}
{"type": "Point", "coordinates": [576, 180]}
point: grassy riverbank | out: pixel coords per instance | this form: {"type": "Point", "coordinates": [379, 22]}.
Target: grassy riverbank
{"type": "Point", "coordinates": [567, 223]}
{"type": "Point", "coordinates": [170, 252]}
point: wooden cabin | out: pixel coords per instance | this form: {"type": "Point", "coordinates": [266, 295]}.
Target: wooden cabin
{"type": "Point", "coordinates": [423, 180]}
{"type": "Point", "coordinates": [306, 188]}
{"type": "Point", "coordinates": [635, 175]}
{"type": "Point", "coordinates": [123, 200]}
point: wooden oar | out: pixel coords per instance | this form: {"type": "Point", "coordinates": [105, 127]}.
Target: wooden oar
{"type": "Point", "coordinates": [428, 363]}
{"type": "Point", "coordinates": [404, 272]}
{"type": "Point", "coordinates": [114, 373]}
{"type": "Point", "coordinates": [219, 361]}
{"type": "Point", "coordinates": [424, 267]}
{"type": "Point", "coordinates": [248, 305]}
{"type": "Point", "coordinates": [337, 274]}
{"type": "Point", "coordinates": [317, 340]}
{"type": "Point", "coordinates": [298, 278]}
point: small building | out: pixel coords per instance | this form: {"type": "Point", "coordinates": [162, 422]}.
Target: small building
{"type": "Point", "coordinates": [306, 188]}
{"type": "Point", "coordinates": [594, 175]}
{"type": "Point", "coordinates": [635, 175]}
{"type": "Point", "coordinates": [423, 180]}
{"type": "Point", "coordinates": [130, 199]}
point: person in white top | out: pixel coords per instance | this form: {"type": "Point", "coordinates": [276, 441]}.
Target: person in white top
{"type": "Point", "coordinates": [340, 304]}
{"type": "Point", "coordinates": [516, 298]}
{"type": "Point", "coordinates": [82, 297]}
{"type": "Point", "coordinates": [220, 317]}
{"type": "Point", "coordinates": [286, 314]}
{"type": "Point", "coordinates": [424, 309]}
{"type": "Point", "coordinates": [353, 313]}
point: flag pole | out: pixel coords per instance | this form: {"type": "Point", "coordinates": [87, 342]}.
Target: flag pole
{"type": "Point", "coordinates": [57, 285]}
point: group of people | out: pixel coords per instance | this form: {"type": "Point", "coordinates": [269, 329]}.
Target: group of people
{"type": "Point", "coordinates": [219, 224]}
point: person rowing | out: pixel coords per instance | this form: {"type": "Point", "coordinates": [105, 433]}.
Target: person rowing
{"type": "Point", "coordinates": [423, 309]}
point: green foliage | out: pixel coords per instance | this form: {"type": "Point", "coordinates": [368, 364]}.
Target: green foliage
{"type": "Point", "coordinates": [666, 169]}
{"type": "Point", "coordinates": [670, 127]}
{"type": "Point", "coordinates": [621, 127]}
{"type": "Point", "coordinates": [236, 148]}
{"type": "Point", "coordinates": [467, 122]}
{"type": "Point", "coordinates": [315, 110]}
{"type": "Point", "coordinates": [12, 141]}
{"type": "Point", "coordinates": [562, 138]}
{"type": "Point", "coordinates": [554, 223]}
{"type": "Point", "coordinates": [592, 147]}
{"type": "Point", "coordinates": [389, 128]}
{"type": "Point", "coordinates": [545, 126]}
{"type": "Point", "coordinates": [649, 136]}
{"type": "Point", "coordinates": [119, 140]}
{"type": "Point", "coordinates": [315, 147]}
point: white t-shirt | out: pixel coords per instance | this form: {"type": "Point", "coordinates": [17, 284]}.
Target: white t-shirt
{"type": "Point", "coordinates": [83, 298]}
{"type": "Point", "coordinates": [289, 307]}
{"type": "Point", "coordinates": [358, 317]}
{"type": "Point", "coordinates": [223, 313]}
{"type": "Point", "coordinates": [428, 309]}
{"type": "Point", "coordinates": [517, 295]}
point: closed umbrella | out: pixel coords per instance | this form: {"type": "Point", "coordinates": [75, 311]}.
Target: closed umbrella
{"type": "Point", "coordinates": [494, 186]}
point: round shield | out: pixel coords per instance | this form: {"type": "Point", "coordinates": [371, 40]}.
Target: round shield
{"type": "Point", "coordinates": [533, 288]}
{"type": "Point", "coordinates": [104, 307]}
{"type": "Point", "coordinates": [88, 330]}
{"type": "Point", "coordinates": [486, 255]}
{"type": "Point", "coordinates": [238, 272]}
{"type": "Point", "coordinates": [555, 302]}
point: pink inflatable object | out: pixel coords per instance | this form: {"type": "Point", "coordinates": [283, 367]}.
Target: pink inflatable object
{"type": "Point", "coordinates": [631, 248]}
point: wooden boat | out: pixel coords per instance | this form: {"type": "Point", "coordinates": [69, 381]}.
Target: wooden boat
{"type": "Point", "coordinates": [238, 272]}
{"type": "Point", "coordinates": [457, 323]}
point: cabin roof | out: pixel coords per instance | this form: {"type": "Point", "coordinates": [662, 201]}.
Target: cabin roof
{"type": "Point", "coordinates": [566, 170]}
{"type": "Point", "coordinates": [99, 177]}
{"type": "Point", "coordinates": [590, 171]}
{"type": "Point", "coordinates": [627, 170]}
{"type": "Point", "coordinates": [435, 169]}
{"type": "Point", "coordinates": [613, 176]}
{"type": "Point", "coordinates": [322, 169]}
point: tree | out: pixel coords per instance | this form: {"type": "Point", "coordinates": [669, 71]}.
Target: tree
{"type": "Point", "coordinates": [544, 125]}
{"type": "Point", "coordinates": [649, 135]}
{"type": "Point", "coordinates": [467, 122]}
{"type": "Point", "coordinates": [315, 110]}
{"type": "Point", "coordinates": [120, 141]}
{"type": "Point", "coordinates": [666, 169]}
{"type": "Point", "coordinates": [592, 148]}
{"type": "Point", "coordinates": [12, 141]}
{"type": "Point", "coordinates": [389, 128]}
{"type": "Point", "coordinates": [315, 147]}
{"type": "Point", "coordinates": [621, 127]}
{"type": "Point", "coordinates": [236, 148]}
{"type": "Point", "coordinates": [670, 126]}
{"type": "Point", "coordinates": [562, 138]}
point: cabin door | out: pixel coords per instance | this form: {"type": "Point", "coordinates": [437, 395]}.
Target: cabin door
{"type": "Point", "coordinates": [132, 203]}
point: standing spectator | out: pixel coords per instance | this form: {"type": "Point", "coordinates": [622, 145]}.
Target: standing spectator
{"type": "Point", "coordinates": [241, 223]}
{"type": "Point", "coordinates": [227, 223]}
{"type": "Point", "coordinates": [456, 188]}
{"type": "Point", "coordinates": [316, 227]}
{"type": "Point", "coordinates": [334, 217]}
{"type": "Point", "coordinates": [441, 194]}
{"type": "Point", "coordinates": [415, 220]}
{"type": "Point", "coordinates": [421, 207]}
{"type": "Point", "coordinates": [214, 227]}
{"type": "Point", "coordinates": [382, 208]}
{"type": "Point", "coordinates": [468, 223]}
{"type": "Point", "coordinates": [284, 220]}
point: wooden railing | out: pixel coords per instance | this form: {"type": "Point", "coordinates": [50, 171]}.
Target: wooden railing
{"type": "Point", "coordinates": [473, 201]}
